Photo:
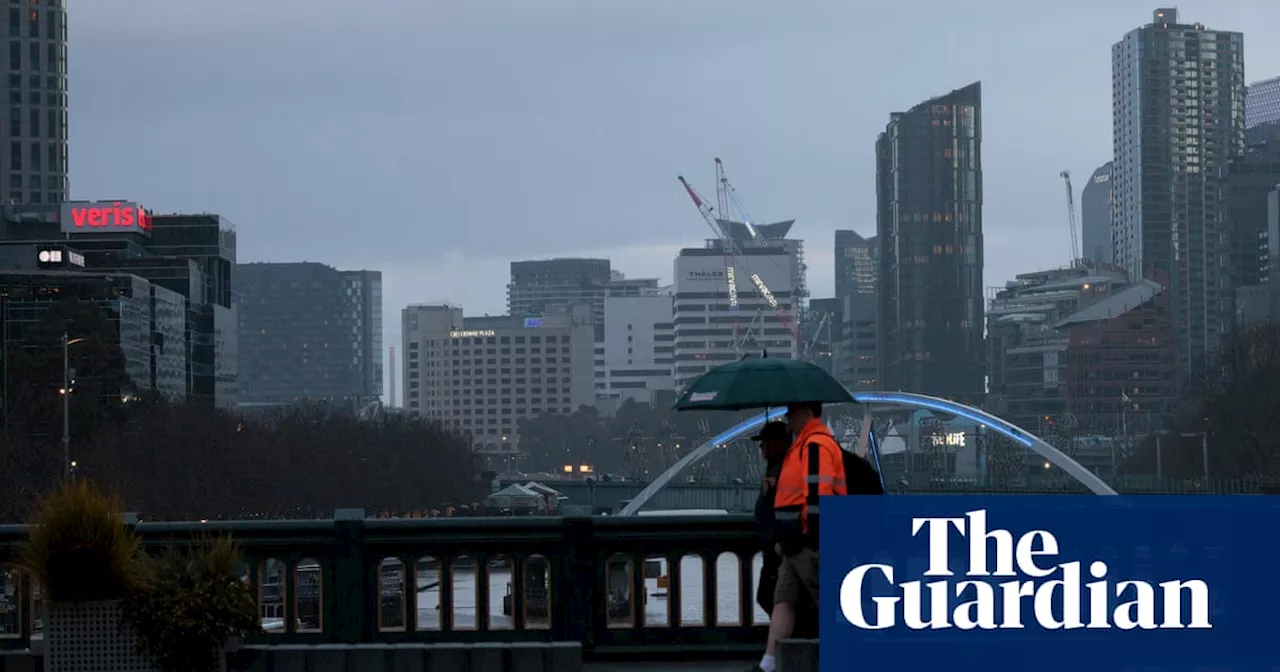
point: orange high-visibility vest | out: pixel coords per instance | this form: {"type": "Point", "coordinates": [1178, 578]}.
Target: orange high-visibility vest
{"type": "Point", "coordinates": [813, 466]}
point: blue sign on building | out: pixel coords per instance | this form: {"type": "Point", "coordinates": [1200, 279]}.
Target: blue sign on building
{"type": "Point", "coordinates": [1049, 583]}
{"type": "Point", "coordinates": [532, 322]}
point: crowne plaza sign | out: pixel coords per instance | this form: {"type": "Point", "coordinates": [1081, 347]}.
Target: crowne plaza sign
{"type": "Point", "coordinates": [104, 216]}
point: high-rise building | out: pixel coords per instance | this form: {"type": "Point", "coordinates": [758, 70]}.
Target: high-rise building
{"type": "Point", "coordinates": [856, 345]}
{"type": "Point", "coordinates": [1244, 183]}
{"type": "Point", "coordinates": [309, 332]}
{"type": "Point", "coordinates": [33, 154]}
{"type": "Point", "coordinates": [482, 375]}
{"type": "Point", "coordinates": [208, 241]}
{"type": "Point", "coordinates": [1262, 102]}
{"type": "Point", "coordinates": [857, 263]}
{"type": "Point", "coordinates": [929, 226]}
{"type": "Point", "coordinates": [1095, 217]}
{"type": "Point", "coordinates": [190, 255]}
{"type": "Point", "coordinates": [636, 356]}
{"type": "Point", "coordinates": [714, 325]}
{"type": "Point", "coordinates": [1178, 115]}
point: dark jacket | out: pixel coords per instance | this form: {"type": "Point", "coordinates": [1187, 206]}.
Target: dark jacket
{"type": "Point", "coordinates": [806, 625]}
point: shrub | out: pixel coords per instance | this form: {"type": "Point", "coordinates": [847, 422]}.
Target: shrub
{"type": "Point", "coordinates": [79, 549]}
{"type": "Point", "coordinates": [192, 602]}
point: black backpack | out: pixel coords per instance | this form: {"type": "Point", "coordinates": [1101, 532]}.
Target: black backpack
{"type": "Point", "coordinates": [860, 477]}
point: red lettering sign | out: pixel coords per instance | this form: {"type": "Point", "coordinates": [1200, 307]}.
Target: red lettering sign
{"type": "Point", "coordinates": [114, 216]}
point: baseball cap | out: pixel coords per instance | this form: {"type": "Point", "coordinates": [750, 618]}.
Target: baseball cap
{"type": "Point", "coordinates": [772, 430]}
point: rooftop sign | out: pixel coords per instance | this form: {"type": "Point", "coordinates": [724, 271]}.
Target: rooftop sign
{"type": "Point", "coordinates": [103, 216]}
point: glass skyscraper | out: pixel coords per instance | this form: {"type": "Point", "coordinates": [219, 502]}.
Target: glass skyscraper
{"type": "Point", "coordinates": [929, 228]}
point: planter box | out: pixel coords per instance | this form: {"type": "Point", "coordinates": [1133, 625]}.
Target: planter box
{"type": "Point", "coordinates": [91, 637]}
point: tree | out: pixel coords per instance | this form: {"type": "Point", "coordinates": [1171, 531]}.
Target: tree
{"type": "Point", "coordinates": [187, 461]}
{"type": "Point", "coordinates": [1238, 405]}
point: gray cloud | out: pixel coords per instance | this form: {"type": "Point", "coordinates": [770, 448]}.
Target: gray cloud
{"type": "Point", "coordinates": [422, 135]}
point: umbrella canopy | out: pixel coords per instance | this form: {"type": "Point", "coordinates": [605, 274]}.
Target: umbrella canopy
{"type": "Point", "coordinates": [761, 383]}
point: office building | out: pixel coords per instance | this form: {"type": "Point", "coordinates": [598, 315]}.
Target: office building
{"type": "Point", "coordinates": [482, 376]}
{"type": "Point", "coordinates": [1178, 115]}
{"type": "Point", "coordinates": [1262, 103]}
{"type": "Point", "coordinates": [857, 269]}
{"type": "Point", "coordinates": [1244, 183]}
{"type": "Point", "coordinates": [544, 286]}
{"type": "Point", "coordinates": [34, 150]}
{"type": "Point", "coordinates": [148, 321]}
{"type": "Point", "coordinates": [1095, 217]}
{"type": "Point", "coordinates": [929, 227]}
{"type": "Point", "coordinates": [634, 360]}
{"type": "Point", "coordinates": [1079, 340]}
{"type": "Point", "coordinates": [309, 332]}
{"type": "Point", "coordinates": [722, 314]}
{"type": "Point", "coordinates": [857, 263]}
{"type": "Point", "coordinates": [858, 356]}
{"type": "Point", "coordinates": [192, 255]}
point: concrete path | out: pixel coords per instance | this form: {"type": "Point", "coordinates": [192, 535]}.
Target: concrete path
{"type": "Point", "coordinates": [710, 666]}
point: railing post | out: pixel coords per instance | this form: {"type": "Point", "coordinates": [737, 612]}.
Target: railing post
{"type": "Point", "coordinates": [577, 613]}
{"type": "Point", "coordinates": [350, 616]}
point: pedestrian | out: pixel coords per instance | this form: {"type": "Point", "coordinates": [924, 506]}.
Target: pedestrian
{"type": "Point", "coordinates": [813, 466]}
{"type": "Point", "coordinates": [774, 439]}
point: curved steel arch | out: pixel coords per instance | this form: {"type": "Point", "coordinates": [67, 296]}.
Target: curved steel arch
{"type": "Point", "coordinates": [1040, 446]}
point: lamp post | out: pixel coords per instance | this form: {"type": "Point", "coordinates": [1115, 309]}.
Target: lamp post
{"type": "Point", "coordinates": [67, 464]}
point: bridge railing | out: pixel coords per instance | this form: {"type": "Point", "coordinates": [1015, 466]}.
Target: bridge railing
{"type": "Point", "coordinates": [593, 580]}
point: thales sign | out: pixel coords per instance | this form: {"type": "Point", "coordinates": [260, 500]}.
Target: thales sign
{"type": "Point", "coordinates": [104, 216]}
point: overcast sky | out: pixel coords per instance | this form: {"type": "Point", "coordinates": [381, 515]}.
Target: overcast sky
{"type": "Point", "coordinates": [437, 141]}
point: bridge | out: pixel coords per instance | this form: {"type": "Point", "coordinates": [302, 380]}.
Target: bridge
{"type": "Point", "coordinates": [484, 593]}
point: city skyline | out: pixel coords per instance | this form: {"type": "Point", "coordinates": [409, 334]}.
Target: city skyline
{"type": "Point", "coordinates": [542, 126]}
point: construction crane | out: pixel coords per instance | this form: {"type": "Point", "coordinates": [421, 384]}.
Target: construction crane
{"type": "Point", "coordinates": [709, 215]}
{"type": "Point", "coordinates": [729, 201]}
{"type": "Point", "coordinates": [1071, 218]}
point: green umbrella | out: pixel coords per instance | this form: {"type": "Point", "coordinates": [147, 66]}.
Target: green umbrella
{"type": "Point", "coordinates": [761, 383]}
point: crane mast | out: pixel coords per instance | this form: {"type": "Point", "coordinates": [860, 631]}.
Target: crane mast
{"type": "Point", "coordinates": [726, 199]}
{"type": "Point", "coordinates": [1071, 218]}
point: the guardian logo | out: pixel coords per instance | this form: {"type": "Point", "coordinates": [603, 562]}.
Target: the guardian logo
{"type": "Point", "coordinates": [1040, 587]}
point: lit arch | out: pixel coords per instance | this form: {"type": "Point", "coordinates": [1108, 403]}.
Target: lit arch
{"type": "Point", "coordinates": [1089, 479]}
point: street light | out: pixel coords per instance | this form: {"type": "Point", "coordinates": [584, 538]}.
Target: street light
{"type": "Point", "coordinates": [67, 464]}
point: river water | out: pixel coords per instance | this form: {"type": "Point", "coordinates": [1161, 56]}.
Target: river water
{"type": "Point", "coordinates": [391, 616]}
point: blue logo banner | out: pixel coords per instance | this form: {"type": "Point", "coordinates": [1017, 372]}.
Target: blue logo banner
{"type": "Point", "coordinates": [1048, 583]}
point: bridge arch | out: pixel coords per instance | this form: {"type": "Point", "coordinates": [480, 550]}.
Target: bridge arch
{"type": "Point", "coordinates": [921, 401]}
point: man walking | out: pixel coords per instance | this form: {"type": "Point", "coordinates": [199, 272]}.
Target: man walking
{"type": "Point", "coordinates": [774, 439]}
{"type": "Point", "coordinates": [812, 467]}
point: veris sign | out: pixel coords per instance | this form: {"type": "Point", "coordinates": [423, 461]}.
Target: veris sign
{"type": "Point", "coordinates": [104, 216]}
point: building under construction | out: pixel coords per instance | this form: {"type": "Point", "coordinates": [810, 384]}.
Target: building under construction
{"type": "Point", "coordinates": [1081, 346]}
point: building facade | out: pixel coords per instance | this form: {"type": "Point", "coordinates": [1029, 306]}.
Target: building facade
{"type": "Point", "coordinates": [148, 321]}
{"type": "Point", "coordinates": [34, 150]}
{"type": "Point", "coordinates": [1178, 114]}
{"type": "Point", "coordinates": [1262, 103]}
{"type": "Point", "coordinates": [481, 376]}
{"type": "Point", "coordinates": [1244, 183]}
{"type": "Point", "coordinates": [123, 237]}
{"type": "Point", "coordinates": [857, 263]}
{"type": "Point", "coordinates": [308, 331]}
{"type": "Point", "coordinates": [1065, 344]}
{"type": "Point", "coordinates": [1095, 217]}
{"type": "Point", "coordinates": [635, 359]}
{"type": "Point", "coordinates": [718, 321]}
{"type": "Point", "coordinates": [544, 286]}
{"type": "Point", "coordinates": [209, 241]}
{"type": "Point", "coordinates": [929, 227]}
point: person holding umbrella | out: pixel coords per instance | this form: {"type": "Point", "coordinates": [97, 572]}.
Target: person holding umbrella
{"type": "Point", "coordinates": [775, 438]}
{"type": "Point", "coordinates": [813, 466]}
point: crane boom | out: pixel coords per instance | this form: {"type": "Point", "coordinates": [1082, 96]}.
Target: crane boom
{"type": "Point", "coordinates": [1071, 218]}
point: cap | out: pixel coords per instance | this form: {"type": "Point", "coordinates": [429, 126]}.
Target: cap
{"type": "Point", "coordinates": [773, 430]}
